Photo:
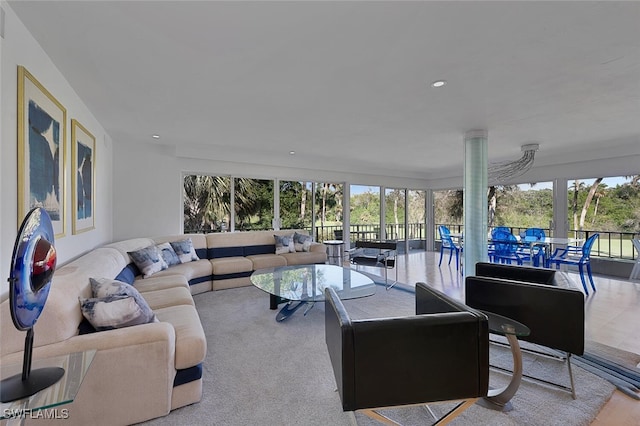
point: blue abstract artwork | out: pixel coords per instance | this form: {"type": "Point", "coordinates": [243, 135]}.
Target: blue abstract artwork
{"type": "Point", "coordinates": [84, 179]}
{"type": "Point", "coordinates": [44, 161]}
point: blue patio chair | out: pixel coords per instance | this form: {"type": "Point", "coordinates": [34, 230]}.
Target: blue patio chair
{"type": "Point", "coordinates": [448, 244]}
{"type": "Point", "coordinates": [535, 253]}
{"type": "Point", "coordinates": [491, 249]}
{"type": "Point", "coordinates": [567, 256]}
{"type": "Point", "coordinates": [505, 247]}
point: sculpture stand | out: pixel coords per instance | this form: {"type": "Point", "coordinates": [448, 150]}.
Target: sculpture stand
{"type": "Point", "coordinates": [29, 382]}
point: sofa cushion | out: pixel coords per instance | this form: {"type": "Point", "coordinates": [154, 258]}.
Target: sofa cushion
{"type": "Point", "coordinates": [231, 265]}
{"type": "Point", "coordinates": [284, 244]}
{"type": "Point", "coordinates": [168, 254]}
{"type": "Point", "coordinates": [185, 250]}
{"type": "Point", "coordinates": [175, 296]}
{"type": "Point", "coordinates": [148, 260]}
{"type": "Point", "coordinates": [107, 313]}
{"type": "Point", "coordinates": [305, 258]}
{"type": "Point", "coordinates": [192, 270]}
{"type": "Point", "coordinates": [267, 261]}
{"type": "Point", "coordinates": [191, 343]}
{"type": "Point", "coordinates": [160, 282]}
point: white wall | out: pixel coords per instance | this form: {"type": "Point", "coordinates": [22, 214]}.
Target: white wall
{"type": "Point", "coordinates": [147, 184]}
{"type": "Point", "coordinates": [20, 48]}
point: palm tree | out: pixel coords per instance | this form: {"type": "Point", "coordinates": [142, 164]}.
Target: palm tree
{"type": "Point", "coordinates": [577, 186]}
{"type": "Point", "coordinates": [587, 202]}
{"type": "Point", "coordinates": [600, 192]}
{"type": "Point", "coordinates": [207, 200]}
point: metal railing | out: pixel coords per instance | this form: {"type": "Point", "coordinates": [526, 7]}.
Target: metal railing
{"type": "Point", "coordinates": [612, 245]}
{"type": "Point", "coordinates": [366, 232]}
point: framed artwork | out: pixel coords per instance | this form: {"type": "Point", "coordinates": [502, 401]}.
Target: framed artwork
{"type": "Point", "coordinates": [42, 132]}
{"type": "Point", "coordinates": [83, 160]}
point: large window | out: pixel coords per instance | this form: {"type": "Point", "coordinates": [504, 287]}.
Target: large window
{"type": "Point", "coordinates": [417, 219]}
{"type": "Point", "coordinates": [328, 212]}
{"type": "Point", "coordinates": [296, 205]}
{"type": "Point", "coordinates": [394, 200]}
{"type": "Point", "coordinates": [521, 206]}
{"type": "Point", "coordinates": [609, 206]}
{"type": "Point", "coordinates": [364, 213]}
{"type": "Point", "coordinates": [253, 204]}
{"type": "Point", "coordinates": [448, 209]}
{"type": "Point", "coordinates": [207, 203]}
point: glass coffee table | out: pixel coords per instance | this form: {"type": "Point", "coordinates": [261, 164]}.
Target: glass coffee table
{"type": "Point", "coordinates": [303, 285]}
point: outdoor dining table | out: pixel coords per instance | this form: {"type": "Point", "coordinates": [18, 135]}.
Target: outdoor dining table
{"type": "Point", "coordinates": [547, 244]}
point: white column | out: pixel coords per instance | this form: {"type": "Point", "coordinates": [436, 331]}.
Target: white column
{"type": "Point", "coordinates": [430, 234]}
{"type": "Point", "coordinates": [560, 225]}
{"type": "Point", "coordinates": [276, 222]}
{"type": "Point", "coordinates": [346, 215]}
{"type": "Point", "coordinates": [475, 199]}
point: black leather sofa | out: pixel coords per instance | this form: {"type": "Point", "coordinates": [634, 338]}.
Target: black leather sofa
{"type": "Point", "coordinates": [555, 315]}
{"type": "Point", "coordinates": [440, 354]}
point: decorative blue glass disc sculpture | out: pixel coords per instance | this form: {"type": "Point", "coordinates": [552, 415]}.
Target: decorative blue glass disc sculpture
{"type": "Point", "coordinates": [32, 266]}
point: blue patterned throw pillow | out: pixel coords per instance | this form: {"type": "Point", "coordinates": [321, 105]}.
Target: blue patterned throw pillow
{"type": "Point", "coordinates": [105, 287]}
{"type": "Point", "coordinates": [148, 260]}
{"type": "Point", "coordinates": [284, 244]}
{"type": "Point", "coordinates": [185, 251]}
{"type": "Point", "coordinates": [168, 254]}
{"type": "Point", "coordinates": [107, 313]}
{"type": "Point", "coordinates": [301, 242]}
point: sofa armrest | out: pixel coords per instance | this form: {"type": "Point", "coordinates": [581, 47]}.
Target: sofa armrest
{"type": "Point", "coordinates": [103, 340]}
{"type": "Point", "coordinates": [133, 367]}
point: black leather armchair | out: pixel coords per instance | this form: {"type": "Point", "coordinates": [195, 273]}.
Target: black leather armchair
{"type": "Point", "coordinates": [440, 354]}
{"type": "Point", "coordinates": [555, 315]}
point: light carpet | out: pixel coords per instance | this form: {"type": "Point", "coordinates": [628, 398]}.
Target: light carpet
{"type": "Point", "coordinates": [260, 372]}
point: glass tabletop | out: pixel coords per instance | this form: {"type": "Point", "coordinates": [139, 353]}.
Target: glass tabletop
{"type": "Point", "coordinates": [499, 324]}
{"type": "Point", "coordinates": [308, 282]}
{"type": "Point", "coordinates": [64, 391]}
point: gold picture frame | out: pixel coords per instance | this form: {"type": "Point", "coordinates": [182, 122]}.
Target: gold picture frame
{"type": "Point", "coordinates": [42, 135]}
{"type": "Point", "coordinates": [83, 180]}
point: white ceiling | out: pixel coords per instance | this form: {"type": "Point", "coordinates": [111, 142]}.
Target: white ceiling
{"type": "Point", "coordinates": [346, 84]}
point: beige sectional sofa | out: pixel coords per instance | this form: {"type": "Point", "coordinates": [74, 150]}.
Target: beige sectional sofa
{"type": "Point", "coordinates": [144, 371]}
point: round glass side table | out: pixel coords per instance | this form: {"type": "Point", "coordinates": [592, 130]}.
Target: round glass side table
{"type": "Point", "coordinates": [499, 399]}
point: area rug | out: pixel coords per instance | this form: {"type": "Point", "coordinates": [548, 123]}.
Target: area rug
{"type": "Point", "coordinates": [261, 372]}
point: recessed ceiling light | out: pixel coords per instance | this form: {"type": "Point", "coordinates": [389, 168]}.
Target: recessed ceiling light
{"type": "Point", "coordinates": [155, 136]}
{"type": "Point", "coordinates": [438, 83]}
{"type": "Point", "coordinates": [292, 153]}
